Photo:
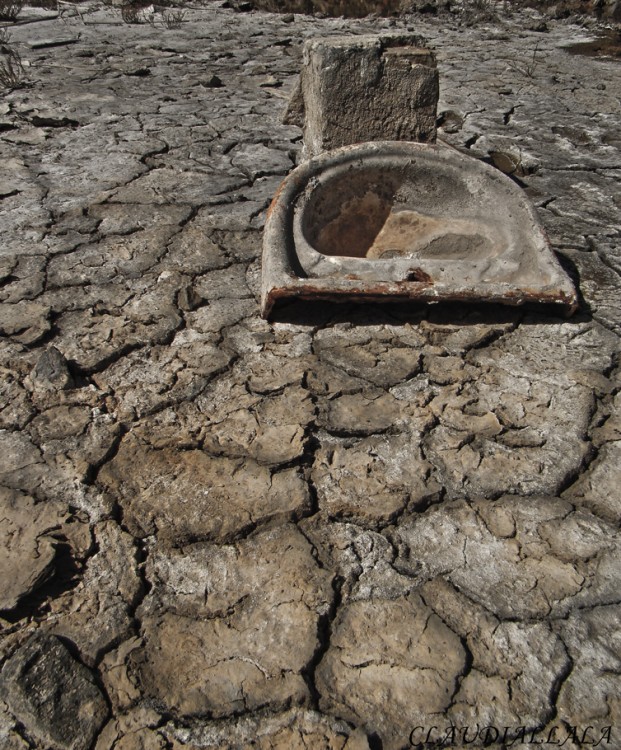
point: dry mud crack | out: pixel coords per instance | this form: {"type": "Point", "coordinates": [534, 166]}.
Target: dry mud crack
{"type": "Point", "coordinates": [332, 530]}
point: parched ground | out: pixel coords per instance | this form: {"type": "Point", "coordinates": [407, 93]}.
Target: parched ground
{"type": "Point", "coordinates": [323, 532]}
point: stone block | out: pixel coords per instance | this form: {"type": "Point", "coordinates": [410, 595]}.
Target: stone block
{"type": "Point", "coordinates": [367, 88]}
{"type": "Point", "coordinates": [52, 695]}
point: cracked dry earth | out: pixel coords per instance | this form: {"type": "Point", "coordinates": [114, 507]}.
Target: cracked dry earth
{"type": "Point", "coordinates": [323, 532]}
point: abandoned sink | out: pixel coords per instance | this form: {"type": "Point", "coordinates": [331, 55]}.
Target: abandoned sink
{"type": "Point", "coordinates": [399, 220]}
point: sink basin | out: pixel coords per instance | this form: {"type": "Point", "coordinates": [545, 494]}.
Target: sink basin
{"type": "Point", "coordinates": [399, 220]}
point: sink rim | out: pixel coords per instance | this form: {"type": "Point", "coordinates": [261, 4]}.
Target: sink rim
{"type": "Point", "coordinates": [293, 268]}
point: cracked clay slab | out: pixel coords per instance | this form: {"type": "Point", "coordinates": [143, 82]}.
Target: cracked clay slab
{"type": "Point", "coordinates": [398, 220]}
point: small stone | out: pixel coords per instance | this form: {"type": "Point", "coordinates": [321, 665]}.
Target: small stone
{"type": "Point", "coordinates": [51, 373]}
{"type": "Point", "coordinates": [213, 82]}
{"type": "Point", "coordinates": [450, 121]}
{"type": "Point", "coordinates": [138, 72]}
{"type": "Point", "coordinates": [188, 299]}
{"type": "Point", "coordinates": [271, 82]}
{"type": "Point", "coordinates": [57, 42]}
{"type": "Point", "coordinates": [52, 694]}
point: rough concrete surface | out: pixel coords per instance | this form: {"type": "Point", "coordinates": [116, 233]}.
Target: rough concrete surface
{"type": "Point", "coordinates": [335, 80]}
{"type": "Point", "coordinates": [330, 530]}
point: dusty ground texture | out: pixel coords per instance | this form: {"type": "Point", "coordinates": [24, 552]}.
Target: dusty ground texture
{"type": "Point", "coordinates": [321, 532]}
